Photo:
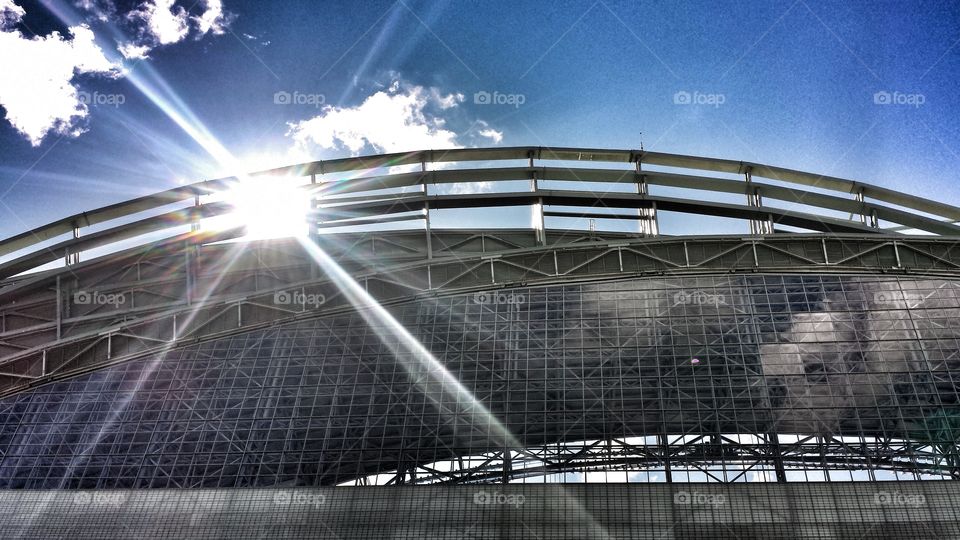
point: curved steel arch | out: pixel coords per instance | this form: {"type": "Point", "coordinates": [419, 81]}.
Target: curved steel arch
{"type": "Point", "coordinates": [937, 217]}
{"type": "Point", "coordinates": [43, 335]}
{"type": "Point", "coordinates": [190, 287]}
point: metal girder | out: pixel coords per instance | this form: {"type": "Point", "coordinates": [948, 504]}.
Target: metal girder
{"type": "Point", "coordinates": [128, 221]}
{"type": "Point", "coordinates": [723, 458]}
{"type": "Point", "coordinates": [190, 287]}
{"type": "Point", "coordinates": [45, 334]}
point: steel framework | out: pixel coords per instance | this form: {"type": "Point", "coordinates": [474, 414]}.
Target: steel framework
{"type": "Point", "coordinates": [184, 287]}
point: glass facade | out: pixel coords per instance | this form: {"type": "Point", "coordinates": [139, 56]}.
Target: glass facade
{"type": "Point", "coordinates": [739, 378]}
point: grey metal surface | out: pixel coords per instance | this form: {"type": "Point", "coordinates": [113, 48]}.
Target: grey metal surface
{"type": "Point", "coordinates": [181, 287]}
{"type": "Point", "coordinates": [851, 377]}
{"type": "Point", "coordinates": [858, 511]}
{"type": "Point", "coordinates": [759, 378]}
{"type": "Point", "coordinates": [46, 334]}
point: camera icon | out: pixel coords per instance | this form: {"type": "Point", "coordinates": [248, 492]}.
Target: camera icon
{"type": "Point", "coordinates": [882, 498]}
{"type": "Point", "coordinates": [82, 298]}
{"type": "Point", "coordinates": [682, 98]}
{"type": "Point", "coordinates": [82, 497]}
{"type": "Point", "coordinates": [882, 98]}
{"type": "Point", "coordinates": [282, 298]}
{"type": "Point", "coordinates": [282, 98]}
{"type": "Point", "coordinates": [84, 97]}
{"type": "Point", "coordinates": [482, 98]}
{"type": "Point", "coordinates": [482, 497]}
{"type": "Point", "coordinates": [681, 497]}
{"type": "Point", "coordinates": [481, 298]}
{"type": "Point", "coordinates": [281, 498]}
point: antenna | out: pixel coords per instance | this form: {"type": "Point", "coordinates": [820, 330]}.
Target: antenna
{"type": "Point", "coordinates": [641, 141]}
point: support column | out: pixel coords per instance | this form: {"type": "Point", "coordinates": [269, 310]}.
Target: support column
{"type": "Point", "coordinates": [755, 200]}
{"type": "Point", "coordinates": [73, 257]}
{"type": "Point", "coordinates": [858, 196]}
{"type": "Point", "coordinates": [868, 218]}
{"type": "Point", "coordinates": [664, 443]}
{"type": "Point", "coordinates": [59, 309]}
{"type": "Point", "coordinates": [648, 216]}
{"type": "Point", "coordinates": [195, 221]}
{"type": "Point", "coordinates": [313, 233]}
{"type": "Point", "coordinates": [188, 270]}
{"type": "Point", "coordinates": [538, 222]}
{"type": "Point", "coordinates": [642, 190]}
{"type": "Point", "coordinates": [426, 220]}
{"type": "Point", "coordinates": [777, 457]}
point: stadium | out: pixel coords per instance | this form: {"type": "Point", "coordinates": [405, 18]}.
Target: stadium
{"type": "Point", "coordinates": [316, 352]}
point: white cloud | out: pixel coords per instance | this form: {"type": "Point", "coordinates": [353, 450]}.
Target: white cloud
{"type": "Point", "coordinates": [10, 14]}
{"type": "Point", "coordinates": [102, 10]}
{"type": "Point", "coordinates": [393, 120]}
{"type": "Point", "coordinates": [38, 90]}
{"type": "Point", "coordinates": [38, 93]}
{"type": "Point", "coordinates": [446, 101]}
{"type": "Point", "coordinates": [164, 22]}
{"type": "Point", "coordinates": [465, 188]}
{"type": "Point", "coordinates": [132, 51]}
{"type": "Point", "coordinates": [401, 118]}
{"type": "Point", "coordinates": [492, 134]}
{"type": "Point", "coordinates": [161, 21]}
{"type": "Point", "coordinates": [213, 20]}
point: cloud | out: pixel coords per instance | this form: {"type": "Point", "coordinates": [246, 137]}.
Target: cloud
{"type": "Point", "coordinates": [38, 91]}
{"type": "Point", "coordinates": [399, 119]}
{"type": "Point", "coordinates": [10, 14]}
{"type": "Point", "coordinates": [161, 21]}
{"type": "Point", "coordinates": [101, 10]}
{"type": "Point", "coordinates": [213, 20]}
{"type": "Point", "coordinates": [446, 101]}
{"type": "Point", "coordinates": [492, 134]}
{"type": "Point", "coordinates": [132, 51]}
{"type": "Point", "coordinates": [164, 22]}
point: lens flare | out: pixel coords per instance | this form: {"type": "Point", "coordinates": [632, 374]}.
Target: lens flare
{"type": "Point", "coordinates": [268, 207]}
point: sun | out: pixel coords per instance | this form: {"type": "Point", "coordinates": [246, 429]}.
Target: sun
{"type": "Point", "coordinates": [268, 206]}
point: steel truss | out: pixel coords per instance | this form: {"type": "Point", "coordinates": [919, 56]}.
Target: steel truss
{"type": "Point", "coordinates": [194, 287]}
{"type": "Point", "coordinates": [724, 458]}
{"type": "Point", "coordinates": [46, 335]}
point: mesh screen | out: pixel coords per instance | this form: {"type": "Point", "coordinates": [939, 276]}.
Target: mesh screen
{"type": "Point", "coordinates": [701, 379]}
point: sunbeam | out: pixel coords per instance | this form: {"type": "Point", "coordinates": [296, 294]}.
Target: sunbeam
{"type": "Point", "coordinates": [432, 377]}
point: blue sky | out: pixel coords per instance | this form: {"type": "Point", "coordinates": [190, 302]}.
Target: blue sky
{"type": "Point", "coordinates": [790, 83]}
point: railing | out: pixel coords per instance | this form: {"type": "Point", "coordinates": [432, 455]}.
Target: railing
{"type": "Point", "coordinates": [867, 205]}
